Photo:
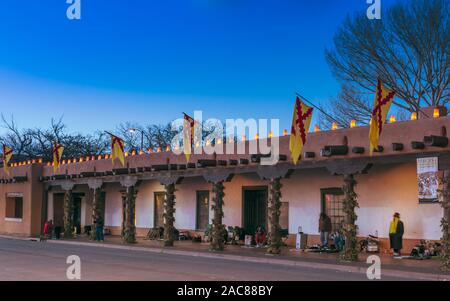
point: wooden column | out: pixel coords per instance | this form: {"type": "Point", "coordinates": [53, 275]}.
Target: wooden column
{"type": "Point", "coordinates": [350, 252]}
{"type": "Point", "coordinates": [169, 215]}
{"type": "Point", "coordinates": [350, 202]}
{"type": "Point", "coordinates": [218, 229]}
{"type": "Point", "coordinates": [68, 209]}
{"type": "Point", "coordinates": [275, 242]}
{"type": "Point", "coordinates": [217, 178]}
{"type": "Point", "coordinates": [274, 173]}
{"type": "Point", "coordinates": [129, 197]}
{"type": "Point", "coordinates": [169, 180]}
{"type": "Point", "coordinates": [445, 256]}
{"type": "Point", "coordinates": [124, 213]}
{"type": "Point", "coordinates": [95, 185]}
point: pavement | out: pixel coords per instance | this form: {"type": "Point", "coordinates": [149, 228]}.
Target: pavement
{"type": "Point", "coordinates": [22, 259]}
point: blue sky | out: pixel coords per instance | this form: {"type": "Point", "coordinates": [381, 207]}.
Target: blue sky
{"type": "Point", "coordinates": [147, 61]}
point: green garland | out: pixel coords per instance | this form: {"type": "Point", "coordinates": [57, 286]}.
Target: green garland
{"type": "Point", "coordinates": [97, 207]}
{"type": "Point", "coordinates": [169, 215]}
{"type": "Point", "coordinates": [124, 214]}
{"type": "Point", "coordinates": [129, 233]}
{"type": "Point", "coordinates": [68, 214]}
{"type": "Point", "coordinates": [445, 251]}
{"type": "Point", "coordinates": [350, 252]}
{"type": "Point", "coordinates": [275, 242]}
{"type": "Point", "coordinates": [218, 231]}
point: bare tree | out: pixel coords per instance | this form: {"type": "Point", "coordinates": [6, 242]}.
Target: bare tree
{"type": "Point", "coordinates": [15, 138]}
{"type": "Point", "coordinates": [38, 142]}
{"type": "Point", "coordinates": [408, 49]}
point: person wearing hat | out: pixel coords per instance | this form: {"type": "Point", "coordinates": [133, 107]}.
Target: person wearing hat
{"type": "Point", "coordinates": [396, 231]}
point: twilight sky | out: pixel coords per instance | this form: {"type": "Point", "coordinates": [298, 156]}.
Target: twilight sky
{"type": "Point", "coordinates": [147, 61]}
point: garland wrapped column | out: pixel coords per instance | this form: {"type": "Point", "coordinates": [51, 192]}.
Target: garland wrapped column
{"type": "Point", "coordinates": [128, 209]}
{"type": "Point", "coordinates": [97, 201]}
{"type": "Point", "coordinates": [129, 234]}
{"type": "Point", "coordinates": [95, 209]}
{"type": "Point", "coordinates": [68, 214]}
{"type": "Point", "coordinates": [445, 253]}
{"type": "Point", "coordinates": [169, 215]}
{"type": "Point", "coordinates": [124, 214]}
{"type": "Point", "coordinates": [274, 217]}
{"type": "Point", "coordinates": [350, 252]}
{"type": "Point", "coordinates": [218, 229]}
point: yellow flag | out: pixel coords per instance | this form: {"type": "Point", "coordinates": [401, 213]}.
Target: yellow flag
{"type": "Point", "coordinates": [117, 149]}
{"type": "Point", "coordinates": [188, 135]}
{"type": "Point", "coordinates": [382, 103]}
{"type": "Point", "coordinates": [58, 150]}
{"type": "Point", "coordinates": [7, 154]}
{"type": "Point", "coordinates": [300, 127]}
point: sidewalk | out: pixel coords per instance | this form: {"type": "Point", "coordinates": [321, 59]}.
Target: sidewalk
{"type": "Point", "coordinates": [404, 268]}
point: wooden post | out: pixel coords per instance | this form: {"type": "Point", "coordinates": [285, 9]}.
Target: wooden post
{"type": "Point", "coordinates": [95, 185]}
{"type": "Point", "coordinates": [274, 217]}
{"type": "Point", "coordinates": [445, 192]}
{"type": "Point", "coordinates": [124, 214]}
{"type": "Point", "coordinates": [67, 186]}
{"type": "Point", "coordinates": [218, 229]}
{"type": "Point", "coordinates": [129, 205]}
{"type": "Point", "coordinates": [129, 235]}
{"type": "Point", "coordinates": [350, 252]}
{"type": "Point", "coordinates": [169, 215]}
{"type": "Point", "coordinates": [68, 214]}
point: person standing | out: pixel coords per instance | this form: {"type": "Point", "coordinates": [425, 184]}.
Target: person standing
{"type": "Point", "coordinates": [260, 237]}
{"type": "Point", "coordinates": [50, 229]}
{"type": "Point", "coordinates": [324, 229]}
{"type": "Point", "coordinates": [99, 224]}
{"type": "Point", "coordinates": [46, 230]}
{"type": "Point", "coordinates": [396, 230]}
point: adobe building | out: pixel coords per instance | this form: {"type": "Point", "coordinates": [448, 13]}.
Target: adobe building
{"type": "Point", "coordinates": [387, 182]}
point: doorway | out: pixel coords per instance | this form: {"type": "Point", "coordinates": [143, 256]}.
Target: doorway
{"type": "Point", "coordinates": [254, 208]}
{"type": "Point", "coordinates": [158, 214]}
{"type": "Point", "coordinates": [202, 216]}
{"type": "Point", "coordinates": [58, 210]}
{"type": "Point", "coordinates": [76, 217]}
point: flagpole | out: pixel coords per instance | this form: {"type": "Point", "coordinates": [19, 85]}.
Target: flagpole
{"type": "Point", "coordinates": [112, 134]}
{"type": "Point", "coordinates": [316, 107]}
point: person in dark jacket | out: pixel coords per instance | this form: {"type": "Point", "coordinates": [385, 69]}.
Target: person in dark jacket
{"type": "Point", "coordinates": [324, 229]}
{"type": "Point", "coordinates": [99, 224]}
{"type": "Point", "coordinates": [396, 230]}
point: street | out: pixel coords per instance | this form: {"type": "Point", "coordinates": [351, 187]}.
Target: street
{"type": "Point", "coordinates": [27, 260]}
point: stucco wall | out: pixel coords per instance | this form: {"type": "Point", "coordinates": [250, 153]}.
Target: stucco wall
{"type": "Point", "coordinates": [381, 192]}
{"type": "Point", "coordinates": [30, 224]}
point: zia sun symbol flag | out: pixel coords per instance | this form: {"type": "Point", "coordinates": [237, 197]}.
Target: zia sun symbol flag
{"type": "Point", "coordinates": [300, 127]}
{"type": "Point", "coordinates": [7, 154]}
{"type": "Point", "coordinates": [383, 101]}
{"type": "Point", "coordinates": [188, 135]}
{"type": "Point", "coordinates": [117, 149]}
{"type": "Point", "coordinates": [58, 150]}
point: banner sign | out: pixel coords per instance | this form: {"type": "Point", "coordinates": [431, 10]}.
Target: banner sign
{"type": "Point", "coordinates": [428, 179]}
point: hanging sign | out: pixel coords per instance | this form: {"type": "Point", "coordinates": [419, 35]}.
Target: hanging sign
{"type": "Point", "coordinates": [428, 179]}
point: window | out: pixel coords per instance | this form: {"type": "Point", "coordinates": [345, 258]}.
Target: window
{"type": "Point", "coordinates": [158, 217]}
{"type": "Point", "coordinates": [202, 210]}
{"type": "Point", "coordinates": [332, 206]}
{"type": "Point", "coordinates": [14, 206]}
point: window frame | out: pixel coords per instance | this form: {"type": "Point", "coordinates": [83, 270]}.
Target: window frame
{"type": "Point", "coordinates": [197, 194]}
{"type": "Point", "coordinates": [15, 196]}
{"type": "Point", "coordinates": [335, 191]}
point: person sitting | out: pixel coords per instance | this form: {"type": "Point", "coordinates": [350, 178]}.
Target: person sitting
{"type": "Point", "coordinates": [260, 237]}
